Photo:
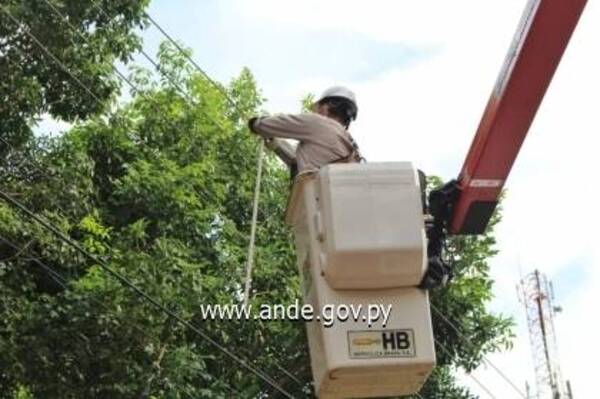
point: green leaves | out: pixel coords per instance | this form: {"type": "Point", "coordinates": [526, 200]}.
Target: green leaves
{"type": "Point", "coordinates": [94, 234]}
{"type": "Point", "coordinates": [465, 330]}
{"type": "Point", "coordinates": [162, 190]}
{"type": "Point", "coordinates": [100, 33]}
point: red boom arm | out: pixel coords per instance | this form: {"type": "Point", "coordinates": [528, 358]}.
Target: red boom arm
{"type": "Point", "coordinates": [537, 48]}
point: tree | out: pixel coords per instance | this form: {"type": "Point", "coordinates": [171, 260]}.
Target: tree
{"type": "Point", "coordinates": [464, 330]}
{"type": "Point", "coordinates": [34, 84]}
{"type": "Point", "coordinates": [162, 191]}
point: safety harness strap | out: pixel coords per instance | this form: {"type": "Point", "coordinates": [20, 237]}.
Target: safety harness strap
{"type": "Point", "coordinates": [354, 154]}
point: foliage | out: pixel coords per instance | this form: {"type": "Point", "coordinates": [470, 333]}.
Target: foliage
{"type": "Point", "coordinates": [462, 305]}
{"type": "Point", "coordinates": [162, 191]}
{"type": "Point", "coordinates": [464, 330]}
{"type": "Point", "coordinates": [33, 84]}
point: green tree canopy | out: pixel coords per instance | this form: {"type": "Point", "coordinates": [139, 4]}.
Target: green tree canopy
{"type": "Point", "coordinates": [32, 84]}
{"type": "Point", "coordinates": [162, 190]}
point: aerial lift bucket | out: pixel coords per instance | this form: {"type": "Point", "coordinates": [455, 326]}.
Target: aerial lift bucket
{"type": "Point", "coordinates": [360, 241]}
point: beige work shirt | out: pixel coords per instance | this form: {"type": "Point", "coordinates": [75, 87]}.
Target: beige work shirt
{"type": "Point", "coordinates": [322, 140]}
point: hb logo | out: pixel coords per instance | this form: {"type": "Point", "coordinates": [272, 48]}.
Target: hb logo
{"type": "Point", "coordinates": [395, 340]}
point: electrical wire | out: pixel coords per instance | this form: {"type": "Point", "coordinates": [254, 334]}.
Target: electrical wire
{"type": "Point", "coordinates": [148, 57]}
{"type": "Point", "coordinates": [232, 102]}
{"type": "Point", "coordinates": [136, 90]}
{"type": "Point", "coordinates": [133, 287]}
{"type": "Point", "coordinates": [481, 385]}
{"type": "Point", "coordinates": [31, 161]}
{"type": "Point", "coordinates": [191, 61]}
{"type": "Point", "coordinates": [123, 280]}
{"type": "Point", "coordinates": [486, 359]}
{"type": "Point", "coordinates": [487, 391]}
{"type": "Point", "coordinates": [216, 85]}
{"type": "Point", "coordinates": [133, 86]}
{"type": "Point", "coordinates": [64, 284]}
{"type": "Point", "coordinates": [49, 54]}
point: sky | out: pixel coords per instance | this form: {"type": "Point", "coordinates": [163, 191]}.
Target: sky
{"type": "Point", "coordinates": [423, 72]}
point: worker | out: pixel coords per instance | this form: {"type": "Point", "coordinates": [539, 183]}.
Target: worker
{"type": "Point", "coordinates": [322, 134]}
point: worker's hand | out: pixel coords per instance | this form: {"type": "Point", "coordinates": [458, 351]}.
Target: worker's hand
{"type": "Point", "coordinates": [251, 124]}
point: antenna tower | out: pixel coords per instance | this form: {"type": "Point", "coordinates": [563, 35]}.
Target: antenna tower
{"type": "Point", "coordinates": [536, 294]}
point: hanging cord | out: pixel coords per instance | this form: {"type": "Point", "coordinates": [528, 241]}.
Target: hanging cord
{"type": "Point", "coordinates": [250, 259]}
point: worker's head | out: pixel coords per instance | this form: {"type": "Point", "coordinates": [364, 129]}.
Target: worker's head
{"type": "Point", "coordinates": [337, 103]}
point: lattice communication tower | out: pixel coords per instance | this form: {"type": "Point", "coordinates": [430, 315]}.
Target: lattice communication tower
{"type": "Point", "coordinates": [536, 294]}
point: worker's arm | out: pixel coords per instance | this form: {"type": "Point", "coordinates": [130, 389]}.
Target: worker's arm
{"type": "Point", "coordinates": [301, 127]}
{"type": "Point", "coordinates": [284, 150]}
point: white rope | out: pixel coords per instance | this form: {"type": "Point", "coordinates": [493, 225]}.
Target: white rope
{"type": "Point", "coordinates": [250, 260]}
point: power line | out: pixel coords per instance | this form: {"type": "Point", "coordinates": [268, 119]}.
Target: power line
{"type": "Point", "coordinates": [229, 99]}
{"type": "Point", "coordinates": [134, 87]}
{"type": "Point", "coordinates": [48, 52]}
{"type": "Point", "coordinates": [466, 340]}
{"type": "Point", "coordinates": [469, 374]}
{"type": "Point", "coordinates": [150, 59]}
{"type": "Point", "coordinates": [191, 60]}
{"type": "Point", "coordinates": [120, 75]}
{"type": "Point", "coordinates": [123, 280]}
{"type": "Point", "coordinates": [42, 172]}
{"type": "Point", "coordinates": [481, 385]}
{"type": "Point", "coordinates": [249, 264]}
{"type": "Point", "coordinates": [63, 283]}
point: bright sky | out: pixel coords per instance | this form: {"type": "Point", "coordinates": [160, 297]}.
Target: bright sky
{"type": "Point", "coordinates": [423, 72]}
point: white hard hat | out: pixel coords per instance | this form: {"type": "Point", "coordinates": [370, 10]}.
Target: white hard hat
{"type": "Point", "coordinates": [342, 92]}
{"type": "Point", "coordinates": [339, 91]}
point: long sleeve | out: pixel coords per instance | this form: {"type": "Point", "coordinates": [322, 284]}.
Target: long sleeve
{"type": "Point", "coordinates": [321, 140]}
{"type": "Point", "coordinates": [284, 150]}
{"type": "Point", "coordinates": [300, 127]}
